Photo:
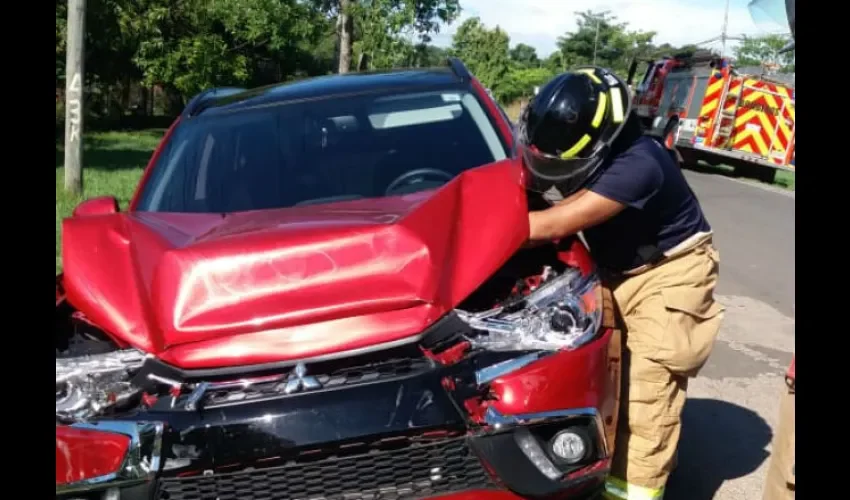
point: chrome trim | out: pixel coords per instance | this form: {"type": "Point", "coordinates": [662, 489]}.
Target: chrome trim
{"type": "Point", "coordinates": [244, 383]}
{"type": "Point", "coordinates": [138, 465]}
{"type": "Point", "coordinates": [492, 372]}
{"type": "Point", "coordinates": [192, 402]}
{"type": "Point", "coordinates": [496, 419]}
{"type": "Point", "coordinates": [299, 381]}
{"type": "Point", "coordinates": [194, 399]}
{"type": "Point", "coordinates": [500, 421]}
{"type": "Point", "coordinates": [174, 384]}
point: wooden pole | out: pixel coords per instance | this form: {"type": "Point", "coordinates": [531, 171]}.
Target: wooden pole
{"type": "Point", "coordinates": [74, 78]}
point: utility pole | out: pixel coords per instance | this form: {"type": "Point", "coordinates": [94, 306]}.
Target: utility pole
{"type": "Point", "coordinates": [596, 42]}
{"type": "Point", "coordinates": [345, 28]}
{"type": "Point", "coordinates": [723, 35]}
{"type": "Point", "coordinates": [74, 78]}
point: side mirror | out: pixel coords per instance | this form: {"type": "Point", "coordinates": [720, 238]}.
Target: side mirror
{"type": "Point", "coordinates": [632, 69]}
{"type": "Point", "coordinates": [102, 205]}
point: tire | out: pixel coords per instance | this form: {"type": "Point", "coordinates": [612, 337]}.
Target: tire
{"type": "Point", "coordinates": [757, 172]}
{"type": "Point", "coordinates": [767, 175]}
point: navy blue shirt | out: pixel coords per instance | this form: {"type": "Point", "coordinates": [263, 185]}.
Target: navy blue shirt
{"type": "Point", "coordinates": [661, 210]}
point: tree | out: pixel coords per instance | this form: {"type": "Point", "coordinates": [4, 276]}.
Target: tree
{"type": "Point", "coordinates": [185, 46]}
{"type": "Point", "coordinates": [485, 53]}
{"type": "Point", "coordinates": [345, 28]}
{"type": "Point", "coordinates": [554, 62]}
{"type": "Point", "coordinates": [524, 56]}
{"type": "Point", "coordinates": [764, 50]}
{"type": "Point", "coordinates": [190, 45]}
{"type": "Point", "coordinates": [425, 56]}
{"type": "Point", "coordinates": [601, 38]}
{"type": "Point", "coordinates": [520, 83]}
{"type": "Point", "coordinates": [384, 29]}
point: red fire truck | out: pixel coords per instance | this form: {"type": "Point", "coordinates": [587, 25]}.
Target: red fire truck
{"type": "Point", "coordinates": [710, 112]}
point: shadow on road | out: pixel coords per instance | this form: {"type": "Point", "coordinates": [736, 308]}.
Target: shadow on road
{"type": "Point", "coordinates": [720, 441]}
{"type": "Point", "coordinates": [721, 170]}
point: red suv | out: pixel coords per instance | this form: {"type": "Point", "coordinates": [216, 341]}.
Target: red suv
{"type": "Point", "coordinates": [319, 291]}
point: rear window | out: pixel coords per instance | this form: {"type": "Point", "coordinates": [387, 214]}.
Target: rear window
{"type": "Point", "coordinates": [321, 151]}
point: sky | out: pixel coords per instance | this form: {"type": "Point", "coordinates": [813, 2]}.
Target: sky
{"type": "Point", "coordinates": [539, 23]}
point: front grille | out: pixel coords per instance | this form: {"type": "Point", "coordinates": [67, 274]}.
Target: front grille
{"type": "Point", "coordinates": [416, 471]}
{"type": "Point", "coordinates": [334, 378]}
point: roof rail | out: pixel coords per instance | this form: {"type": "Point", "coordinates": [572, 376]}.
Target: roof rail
{"type": "Point", "coordinates": [459, 69]}
{"type": "Point", "coordinates": [197, 103]}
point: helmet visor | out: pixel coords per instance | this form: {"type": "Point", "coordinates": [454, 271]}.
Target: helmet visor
{"type": "Point", "coordinates": [565, 175]}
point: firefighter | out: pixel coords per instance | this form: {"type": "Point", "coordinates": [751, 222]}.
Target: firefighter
{"type": "Point", "coordinates": [585, 154]}
{"type": "Point", "coordinates": [781, 481]}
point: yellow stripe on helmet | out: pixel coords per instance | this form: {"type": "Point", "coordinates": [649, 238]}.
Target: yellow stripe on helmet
{"type": "Point", "coordinates": [578, 146]}
{"type": "Point", "coordinates": [600, 110]}
{"type": "Point", "coordinates": [592, 74]}
{"type": "Point", "coordinates": [617, 105]}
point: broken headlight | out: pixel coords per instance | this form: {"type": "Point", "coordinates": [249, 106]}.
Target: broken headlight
{"type": "Point", "coordinates": [562, 313]}
{"type": "Point", "coordinates": [87, 386]}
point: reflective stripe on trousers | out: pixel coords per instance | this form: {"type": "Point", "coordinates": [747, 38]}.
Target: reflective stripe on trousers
{"type": "Point", "coordinates": [617, 489]}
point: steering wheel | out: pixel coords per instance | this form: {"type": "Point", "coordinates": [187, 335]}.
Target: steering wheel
{"type": "Point", "coordinates": [419, 172]}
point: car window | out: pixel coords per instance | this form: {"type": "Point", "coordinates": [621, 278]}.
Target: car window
{"type": "Point", "coordinates": [321, 151]}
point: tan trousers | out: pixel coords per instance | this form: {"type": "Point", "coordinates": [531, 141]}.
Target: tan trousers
{"type": "Point", "coordinates": [671, 321]}
{"type": "Point", "coordinates": [780, 481]}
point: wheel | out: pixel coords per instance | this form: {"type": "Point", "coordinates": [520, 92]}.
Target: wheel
{"type": "Point", "coordinates": [767, 175]}
{"type": "Point", "coordinates": [757, 172]}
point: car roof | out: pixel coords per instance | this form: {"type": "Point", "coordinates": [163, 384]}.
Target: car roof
{"type": "Point", "coordinates": [324, 87]}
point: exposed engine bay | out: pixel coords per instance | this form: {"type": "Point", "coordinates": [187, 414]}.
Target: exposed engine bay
{"type": "Point", "coordinates": [534, 302]}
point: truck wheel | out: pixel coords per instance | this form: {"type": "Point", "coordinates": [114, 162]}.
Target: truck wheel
{"type": "Point", "coordinates": [670, 133]}
{"type": "Point", "coordinates": [768, 175]}
{"type": "Point", "coordinates": [757, 172]}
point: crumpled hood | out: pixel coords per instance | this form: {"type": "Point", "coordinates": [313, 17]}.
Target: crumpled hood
{"type": "Point", "coordinates": [210, 289]}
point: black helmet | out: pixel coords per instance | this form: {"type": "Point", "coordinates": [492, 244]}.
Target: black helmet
{"type": "Point", "coordinates": [565, 132]}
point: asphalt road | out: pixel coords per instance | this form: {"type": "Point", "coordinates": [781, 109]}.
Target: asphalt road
{"type": "Point", "coordinates": [732, 405]}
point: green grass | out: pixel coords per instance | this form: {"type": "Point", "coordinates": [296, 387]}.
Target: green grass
{"type": "Point", "coordinates": [112, 165]}
{"type": "Point", "coordinates": [784, 178]}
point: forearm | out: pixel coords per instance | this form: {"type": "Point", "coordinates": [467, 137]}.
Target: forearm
{"type": "Point", "coordinates": [571, 216]}
{"type": "Point", "coordinates": [553, 224]}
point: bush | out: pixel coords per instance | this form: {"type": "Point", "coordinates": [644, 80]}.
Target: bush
{"type": "Point", "coordinates": [520, 83]}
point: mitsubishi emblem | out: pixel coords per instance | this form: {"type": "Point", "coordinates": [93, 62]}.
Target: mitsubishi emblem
{"type": "Point", "coordinates": [299, 381]}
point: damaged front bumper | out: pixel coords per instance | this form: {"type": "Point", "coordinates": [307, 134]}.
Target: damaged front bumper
{"type": "Point", "coordinates": [108, 459]}
{"type": "Point", "coordinates": [399, 423]}
{"type": "Point", "coordinates": [487, 466]}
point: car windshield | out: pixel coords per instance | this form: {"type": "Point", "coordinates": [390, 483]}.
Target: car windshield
{"type": "Point", "coordinates": [320, 151]}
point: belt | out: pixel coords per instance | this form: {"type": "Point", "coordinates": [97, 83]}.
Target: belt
{"type": "Point", "coordinates": [656, 260]}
